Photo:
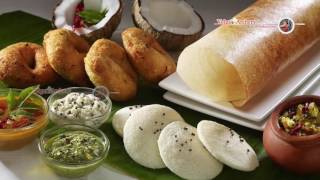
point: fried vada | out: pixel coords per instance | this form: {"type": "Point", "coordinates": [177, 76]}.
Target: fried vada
{"type": "Point", "coordinates": [107, 65]}
{"type": "Point", "coordinates": [150, 60]}
{"type": "Point", "coordinates": [25, 64]}
{"type": "Point", "coordinates": [66, 52]}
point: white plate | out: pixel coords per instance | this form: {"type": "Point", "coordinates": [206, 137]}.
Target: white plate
{"type": "Point", "coordinates": [261, 105]}
{"type": "Point", "coordinates": [188, 103]}
{"type": "Point", "coordinates": [311, 86]}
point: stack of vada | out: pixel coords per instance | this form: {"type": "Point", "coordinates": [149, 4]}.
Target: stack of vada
{"type": "Point", "coordinates": [105, 63]}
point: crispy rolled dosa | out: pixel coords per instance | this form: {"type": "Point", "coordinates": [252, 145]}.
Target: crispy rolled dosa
{"type": "Point", "coordinates": [234, 62]}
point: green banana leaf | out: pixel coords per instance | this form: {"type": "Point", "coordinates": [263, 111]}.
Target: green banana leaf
{"type": "Point", "coordinates": [19, 26]}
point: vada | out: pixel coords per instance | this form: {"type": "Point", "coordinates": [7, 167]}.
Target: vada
{"type": "Point", "coordinates": [25, 64]}
{"type": "Point", "coordinates": [66, 52]}
{"type": "Point", "coordinates": [106, 65]}
{"type": "Point", "coordinates": [150, 60]}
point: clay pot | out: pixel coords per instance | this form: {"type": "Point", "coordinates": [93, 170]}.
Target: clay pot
{"type": "Point", "coordinates": [300, 154]}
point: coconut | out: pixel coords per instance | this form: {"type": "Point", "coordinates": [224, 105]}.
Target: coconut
{"type": "Point", "coordinates": [65, 11]}
{"type": "Point", "coordinates": [174, 23]}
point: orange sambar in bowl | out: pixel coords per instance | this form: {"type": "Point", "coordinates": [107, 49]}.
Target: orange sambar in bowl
{"type": "Point", "coordinates": [19, 127]}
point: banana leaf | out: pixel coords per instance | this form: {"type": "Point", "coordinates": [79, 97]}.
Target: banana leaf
{"type": "Point", "coordinates": [19, 26]}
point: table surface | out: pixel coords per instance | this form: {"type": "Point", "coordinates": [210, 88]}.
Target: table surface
{"type": "Point", "coordinates": [26, 163]}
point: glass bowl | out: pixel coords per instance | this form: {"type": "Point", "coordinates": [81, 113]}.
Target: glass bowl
{"type": "Point", "coordinates": [95, 121]}
{"type": "Point", "coordinates": [16, 138]}
{"type": "Point", "coordinates": [73, 170]}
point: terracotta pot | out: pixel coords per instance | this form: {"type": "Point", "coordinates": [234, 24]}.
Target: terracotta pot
{"type": "Point", "coordinates": [300, 154]}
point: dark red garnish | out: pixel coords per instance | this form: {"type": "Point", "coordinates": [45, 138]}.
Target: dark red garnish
{"type": "Point", "coordinates": [3, 119]}
{"type": "Point", "coordinates": [79, 7]}
{"type": "Point", "coordinates": [22, 122]}
{"type": "Point", "coordinates": [3, 105]}
{"type": "Point", "coordinates": [296, 129]}
{"type": "Point", "coordinates": [77, 20]}
{"type": "Point", "coordinates": [3, 123]}
{"type": "Point", "coordinates": [38, 113]}
{"type": "Point", "coordinates": [305, 108]}
{"type": "Point", "coordinates": [291, 112]}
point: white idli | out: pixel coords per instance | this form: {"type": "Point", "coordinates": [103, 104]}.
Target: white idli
{"type": "Point", "coordinates": [121, 116]}
{"type": "Point", "coordinates": [227, 146]}
{"type": "Point", "coordinates": [142, 130]}
{"type": "Point", "coordinates": [183, 153]}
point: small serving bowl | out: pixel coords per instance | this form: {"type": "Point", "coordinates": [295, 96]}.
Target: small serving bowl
{"type": "Point", "coordinates": [73, 170]}
{"type": "Point", "coordinates": [12, 139]}
{"type": "Point", "coordinates": [94, 122]}
{"type": "Point", "coordinates": [300, 154]}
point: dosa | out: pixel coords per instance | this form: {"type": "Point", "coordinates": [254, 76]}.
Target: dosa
{"type": "Point", "coordinates": [234, 62]}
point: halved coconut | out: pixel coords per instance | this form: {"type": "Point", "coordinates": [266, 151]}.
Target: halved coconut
{"type": "Point", "coordinates": [174, 23]}
{"type": "Point", "coordinates": [65, 11]}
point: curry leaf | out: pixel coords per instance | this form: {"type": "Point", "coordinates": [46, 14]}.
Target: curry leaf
{"type": "Point", "coordinates": [25, 94]}
{"type": "Point", "coordinates": [16, 102]}
{"type": "Point", "coordinates": [20, 112]}
{"type": "Point", "coordinates": [31, 106]}
{"type": "Point", "coordinates": [12, 103]}
{"type": "Point", "coordinates": [92, 16]}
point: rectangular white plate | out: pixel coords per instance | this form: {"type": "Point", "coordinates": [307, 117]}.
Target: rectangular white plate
{"type": "Point", "coordinates": [188, 103]}
{"type": "Point", "coordinates": [311, 86]}
{"type": "Point", "coordinates": [261, 105]}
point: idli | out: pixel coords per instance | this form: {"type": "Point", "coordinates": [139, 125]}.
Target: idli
{"type": "Point", "coordinates": [183, 153]}
{"type": "Point", "coordinates": [121, 116]}
{"type": "Point", "coordinates": [227, 146]}
{"type": "Point", "coordinates": [142, 130]}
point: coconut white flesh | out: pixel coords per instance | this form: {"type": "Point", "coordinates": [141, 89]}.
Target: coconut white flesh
{"type": "Point", "coordinates": [121, 116]}
{"type": "Point", "coordinates": [183, 153]}
{"type": "Point", "coordinates": [142, 130]}
{"type": "Point", "coordinates": [227, 146]}
{"type": "Point", "coordinates": [64, 14]}
{"type": "Point", "coordinates": [175, 16]}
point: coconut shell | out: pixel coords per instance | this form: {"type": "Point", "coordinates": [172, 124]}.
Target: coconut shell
{"type": "Point", "coordinates": [168, 40]}
{"type": "Point", "coordinates": [104, 32]}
